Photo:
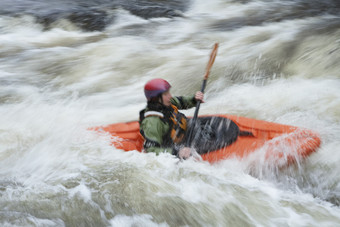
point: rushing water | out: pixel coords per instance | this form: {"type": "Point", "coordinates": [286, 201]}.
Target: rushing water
{"type": "Point", "coordinates": [68, 65]}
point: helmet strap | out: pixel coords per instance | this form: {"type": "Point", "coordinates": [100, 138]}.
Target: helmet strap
{"type": "Point", "coordinates": [157, 99]}
{"type": "Point", "coordinates": [160, 98]}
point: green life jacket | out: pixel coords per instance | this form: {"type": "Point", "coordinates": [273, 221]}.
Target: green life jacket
{"type": "Point", "coordinates": [170, 115]}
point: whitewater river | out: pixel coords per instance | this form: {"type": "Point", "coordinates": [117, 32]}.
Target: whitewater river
{"type": "Point", "coordinates": [68, 65]}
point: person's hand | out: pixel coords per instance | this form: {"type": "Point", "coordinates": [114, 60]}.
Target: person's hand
{"type": "Point", "coordinates": [184, 153]}
{"type": "Point", "coordinates": [199, 96]}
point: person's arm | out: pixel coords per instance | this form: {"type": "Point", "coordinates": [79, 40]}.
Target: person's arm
{"type": "Point", "coordinates": [186, 102]}
{"type": "Point", "coordinates": [154, 130]}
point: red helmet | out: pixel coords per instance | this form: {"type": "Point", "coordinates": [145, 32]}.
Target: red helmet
{"type": "Point", "coordinates": [155, 87]}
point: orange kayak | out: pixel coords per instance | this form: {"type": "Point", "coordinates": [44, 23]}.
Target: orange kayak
{"type": "Point", "coordinates": [280, 143]}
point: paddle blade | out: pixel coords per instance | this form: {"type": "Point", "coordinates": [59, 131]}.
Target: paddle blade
{"type": "Point", "coordinates": [211, 61]}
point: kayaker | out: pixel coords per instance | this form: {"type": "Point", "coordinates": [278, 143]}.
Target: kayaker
{"type": "Point", "coordinates": [161, 124]}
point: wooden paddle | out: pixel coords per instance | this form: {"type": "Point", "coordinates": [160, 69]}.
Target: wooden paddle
{"type": "Point", "coordinates": [206, 75]}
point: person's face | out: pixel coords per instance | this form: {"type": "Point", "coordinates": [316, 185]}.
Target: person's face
{"type": "Point", "coordinates": [166, 96]}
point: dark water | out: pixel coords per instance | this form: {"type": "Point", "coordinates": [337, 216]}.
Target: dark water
{"type": "Point", "coordinates": [90, 15]}
{"type": "Point", "coordinates": [96, 15]}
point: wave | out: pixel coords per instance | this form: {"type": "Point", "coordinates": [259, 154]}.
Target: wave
{"type": "Point", "coordinates": [97, 15]}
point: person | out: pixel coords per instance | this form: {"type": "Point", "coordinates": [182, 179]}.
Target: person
{"type": "Point", "coordinates": [161, 124]}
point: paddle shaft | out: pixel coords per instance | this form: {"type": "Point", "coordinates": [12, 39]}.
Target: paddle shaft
{"type": "Point", "coordinates": [206, 75]}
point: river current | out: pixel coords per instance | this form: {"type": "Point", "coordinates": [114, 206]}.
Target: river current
{"type": "Point", "coordinates": [66, 66]}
